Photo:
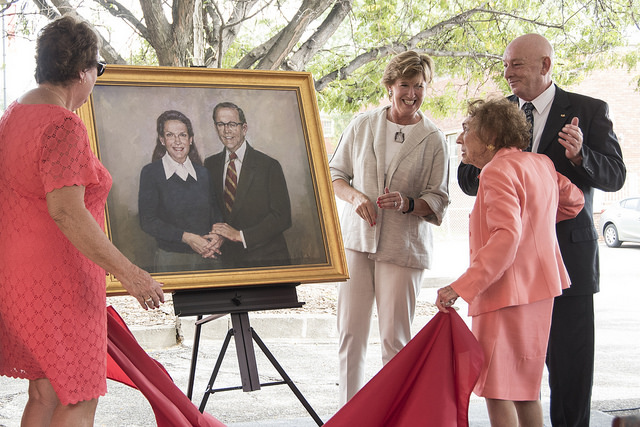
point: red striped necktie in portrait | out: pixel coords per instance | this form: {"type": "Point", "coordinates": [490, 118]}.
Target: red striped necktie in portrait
{"type": "Point", "coordinates": [230, 183]}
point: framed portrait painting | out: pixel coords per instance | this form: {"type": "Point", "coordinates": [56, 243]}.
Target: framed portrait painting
{"type": "Point", "coordinates": [276, 223]}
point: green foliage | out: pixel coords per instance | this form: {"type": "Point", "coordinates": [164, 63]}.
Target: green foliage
{"type": "Point", "coordinates": [583, 33]}
{"type": "Point", "coordinates": [630, 60]}
{"type": "Point", "coordinates": [466, 38]}
{"type": "Point", "coordinates": [351, 95]}
{"type": "Point", "coordinates": [144, 55]}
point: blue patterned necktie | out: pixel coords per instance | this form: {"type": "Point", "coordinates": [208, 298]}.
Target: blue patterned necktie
{"type": "Point", "coordinates": [528, 107]}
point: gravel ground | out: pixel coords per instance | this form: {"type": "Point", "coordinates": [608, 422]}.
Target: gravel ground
{"type": "Point", "coordinates": [319, 299]}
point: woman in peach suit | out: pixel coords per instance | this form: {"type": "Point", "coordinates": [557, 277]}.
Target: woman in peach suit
{"type": "Point", "coordinates": [516, 268]}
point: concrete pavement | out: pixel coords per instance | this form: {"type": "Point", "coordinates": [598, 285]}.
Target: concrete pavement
{"type": "Point", "coordinates": [311, 364]}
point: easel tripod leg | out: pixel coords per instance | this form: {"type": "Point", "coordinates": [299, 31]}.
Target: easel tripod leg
{"type": "Point", "coordinates": [216, 369]}
{"type": "Point", "coordinates": [194, 358]}
{"type": "Point", "coordinates": [286, 378]}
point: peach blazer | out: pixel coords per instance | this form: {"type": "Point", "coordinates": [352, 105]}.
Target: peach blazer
{"type": "Point", "coordinates": [514, 254]}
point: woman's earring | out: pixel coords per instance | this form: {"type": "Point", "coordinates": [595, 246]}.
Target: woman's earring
{"type": "Point", "coordinates": [390, 93]}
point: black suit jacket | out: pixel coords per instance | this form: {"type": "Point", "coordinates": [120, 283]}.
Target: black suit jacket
{"type": "Point", "coordinates": [261, 210]}
{"type": "Point", "coordinates": [602, 168]}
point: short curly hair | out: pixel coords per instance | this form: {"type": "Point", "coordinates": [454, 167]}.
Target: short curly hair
{"type": "Point", "coordinates": [499, 122]}
{"type": "Point", "coordinates": [65, 47]}
{"type": "Point", "coordinates": [408, 65]}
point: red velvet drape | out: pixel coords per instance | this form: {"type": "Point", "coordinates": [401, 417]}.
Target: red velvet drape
{"type": "Point", "coordinates": [428, 383]}
{"type": "Point", "coordinates": [129, 364]}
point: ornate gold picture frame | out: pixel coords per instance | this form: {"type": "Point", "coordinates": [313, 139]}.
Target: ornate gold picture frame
{"type": "Point", "coordinates": [283, 122]}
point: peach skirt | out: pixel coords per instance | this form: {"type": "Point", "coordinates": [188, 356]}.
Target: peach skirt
{"type": "Point", "coordinates": [514, 342]}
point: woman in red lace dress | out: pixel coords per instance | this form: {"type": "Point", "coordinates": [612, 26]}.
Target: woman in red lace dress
{"type": "Point", "coordinates": [53, 250]}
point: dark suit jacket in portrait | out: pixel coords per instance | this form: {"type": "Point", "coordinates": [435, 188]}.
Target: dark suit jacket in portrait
{"type": "Point", "coordinates": [169, 207]}
{"type": "Point", "coordinates": [261, 210]}
{"type": "Point", "coordinates": [602, 168]}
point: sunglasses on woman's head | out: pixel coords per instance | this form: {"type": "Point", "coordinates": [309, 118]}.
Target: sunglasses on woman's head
{"type": "Point", "coordinates": [101, 67]}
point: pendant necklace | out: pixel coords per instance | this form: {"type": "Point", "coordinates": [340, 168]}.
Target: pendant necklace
{"type": "Point", "coordinates": [399, 136]}
{"type": "Point", "coordinates": [56, 94]}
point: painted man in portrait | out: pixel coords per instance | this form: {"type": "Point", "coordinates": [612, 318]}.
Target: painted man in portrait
{"type": "Point", "coordinates": [252, 193]}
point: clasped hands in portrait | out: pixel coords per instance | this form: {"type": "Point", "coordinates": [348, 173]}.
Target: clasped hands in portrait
{"type": "Point", "coordinates": [219, 232]}
{"type": "Point", "coordinates": [207, 246]}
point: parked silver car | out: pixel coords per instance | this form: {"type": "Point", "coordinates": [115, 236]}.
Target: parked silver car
{"type": "Point", "coordinates": [621, 222]}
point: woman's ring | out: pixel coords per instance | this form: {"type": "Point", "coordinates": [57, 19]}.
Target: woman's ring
{"type": "Point", "coordinates": [149, 299]}
{"type": "Point", "coordinates": [395, 204]}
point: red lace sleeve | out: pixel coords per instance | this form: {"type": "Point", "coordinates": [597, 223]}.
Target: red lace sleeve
{"type": "Point", "coordinates": [66, 158]}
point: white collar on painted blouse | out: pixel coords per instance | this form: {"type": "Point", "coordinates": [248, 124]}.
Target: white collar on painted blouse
{"type": "Point", "coordinates": [182, 170]}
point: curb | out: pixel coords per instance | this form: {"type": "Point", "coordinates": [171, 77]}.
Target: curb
{"type": "Point", "coordinates": [318, 327]}
{"type": "Point", "coordinates": [293, 326]}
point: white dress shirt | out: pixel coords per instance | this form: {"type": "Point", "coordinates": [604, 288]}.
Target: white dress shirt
{"type": "Point", "coordinates": [541, 108]}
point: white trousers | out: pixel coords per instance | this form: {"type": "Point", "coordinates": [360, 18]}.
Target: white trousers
{"type": "Point", "coordinates": [395, 290]}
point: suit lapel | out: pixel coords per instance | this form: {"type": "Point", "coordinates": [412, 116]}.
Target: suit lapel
{"type": "Point", "coordinates": [558, 116]}
{"type": "Point", "coordinates": [247, 174]}
{"type": "Point", "coordinates": [378, 134]}
{"type": "Point", "coordinates": [218, 179]}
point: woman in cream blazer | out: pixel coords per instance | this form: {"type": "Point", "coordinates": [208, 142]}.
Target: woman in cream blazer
{"type": "Point", "coordinates": [392, 169]}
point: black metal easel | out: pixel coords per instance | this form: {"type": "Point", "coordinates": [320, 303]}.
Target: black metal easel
{"type": "Point", "coordinates": [238, 302]}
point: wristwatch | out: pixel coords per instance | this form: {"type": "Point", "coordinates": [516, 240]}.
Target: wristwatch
{"type": "Point", "coordinates": [411, 206]}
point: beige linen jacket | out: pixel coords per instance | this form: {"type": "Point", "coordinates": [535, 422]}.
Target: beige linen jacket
{"type": "Point", "coordinates": [420, 169]}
